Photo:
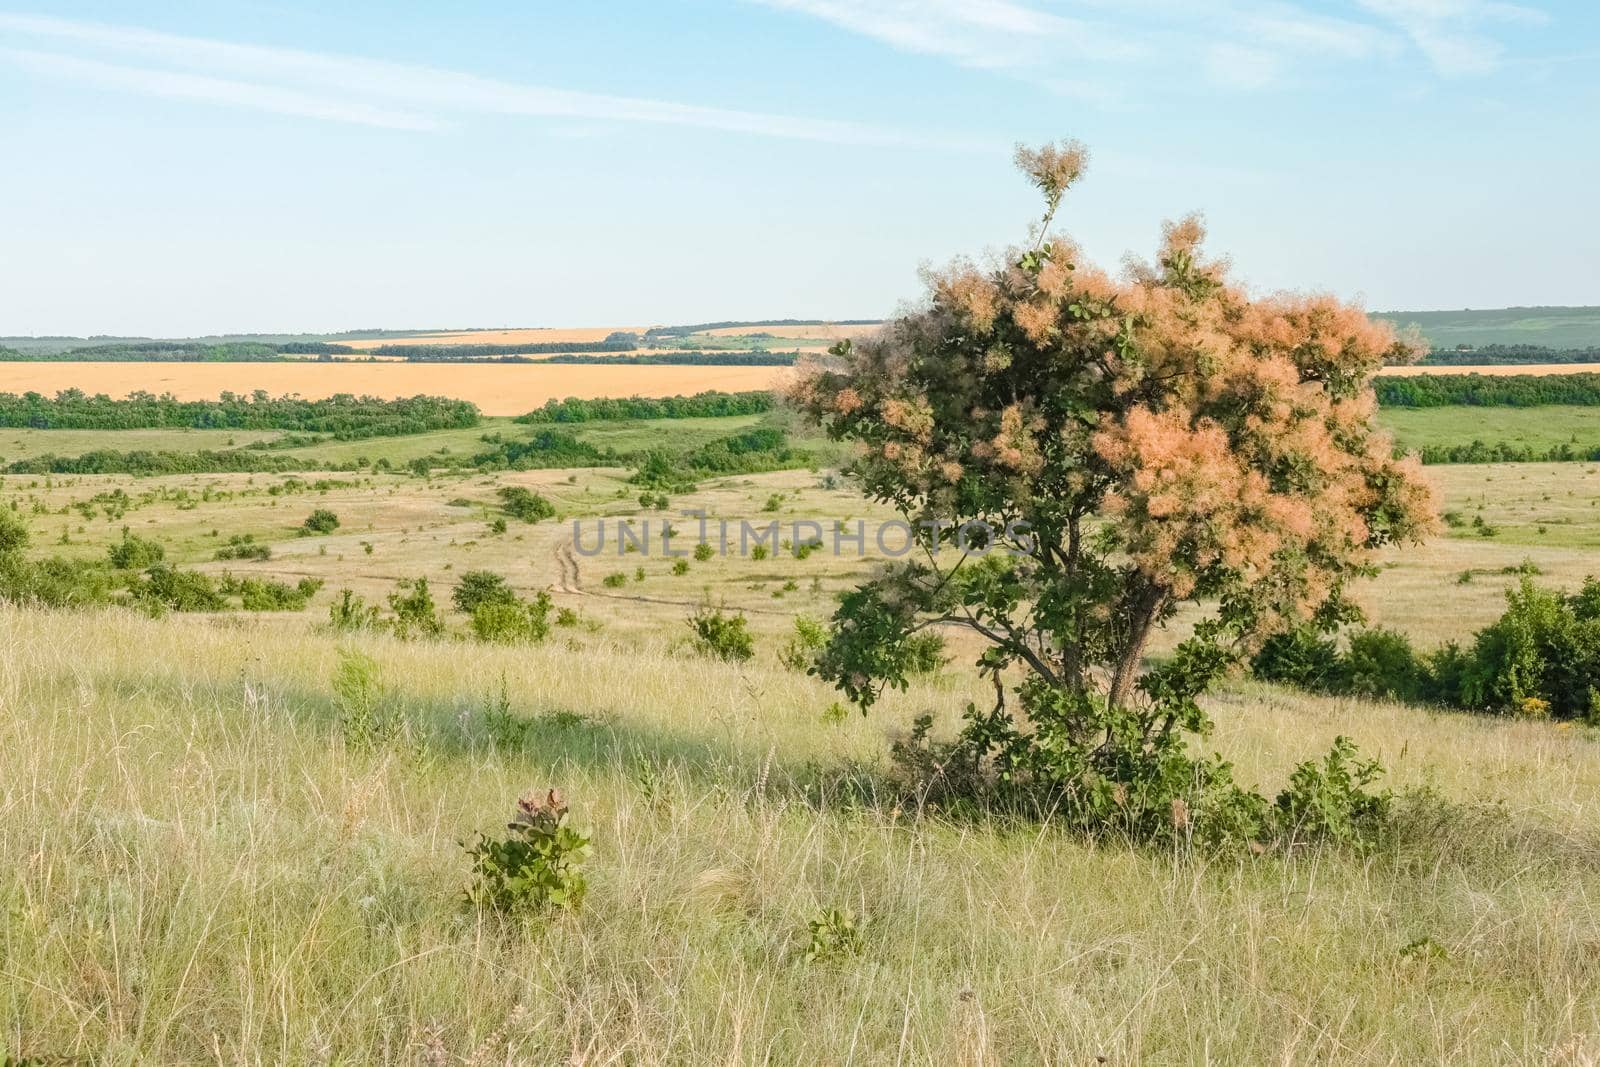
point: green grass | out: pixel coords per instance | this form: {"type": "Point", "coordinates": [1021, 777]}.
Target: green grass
{"type": "Point", "coordinates": [1541, 427]}
{"type": "Point", "coordinates": [195, 867]}
{"type": "Point", "coordinates": [18, 444]}
{"type": "Point", "coordinates": [1552, 327]}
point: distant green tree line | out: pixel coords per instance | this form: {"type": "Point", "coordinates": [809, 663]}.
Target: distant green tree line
{"type": "Point", "coordinates": [711, 404]}
{"type": "Point", "coordinates": [149, 462]}
{"type": "Point", "coordinates": [344, 416]}
{"type": "Point", "coordinates": [1505, 452]}
{"type": "Point", "coordinates": [1490, 355]}
{"type": "Point", "coordinates": [1487, 390]}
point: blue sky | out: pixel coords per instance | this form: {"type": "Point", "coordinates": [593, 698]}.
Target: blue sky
{"type": "Point", "coordinates": [190, 167]}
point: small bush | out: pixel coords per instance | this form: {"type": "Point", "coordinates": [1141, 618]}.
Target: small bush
{"type": "Point", "coordinates": [703, 552]}
{"type": "Point", "coordinates": [1381, 663]}
{"type": "Point", "coordinates": [135, 553]}
{"type": "Point", "coordinates": [534, 869]}
{"type": "Point", "coordinates": [168, 588]}
{"type": "Point", "coordinates": [512, 622]}
{"type": "Point", "coordinates": [800, 651]}
{"type": "Point", "coordinates": [525, 504]}
{"type": "Point", "coordinates": [759, 552]}
{"type": "Point", "coordinates": [350, 613]}
{"type": "Point", "coordinates": [614, 581]}
{"type": "Point", "coordinates": [415, 613]}
{"type": "Point", "coordinates": [321, 521]}
{"type": "Point", "coordinates": [243, 546]}
{"type": "Point", "coordinates": [366, 719]}
{"type": "Point", "coordinates": [725, 636]}
{"type": "Point", "coordinates": [481, 587]}
{"type": "Point", "coordinates": [1331, 802]}
{"type": "Point", "coordinates": [680, 567]}
{"type": "Point", "coordinates": [924, 652]}
{"type": "Point", "coordinates": [1302, 657]}
{"type": "Point", "coordinates": [264, 594]}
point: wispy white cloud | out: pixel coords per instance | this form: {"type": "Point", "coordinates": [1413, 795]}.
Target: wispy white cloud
{"type": "Point", "coordinates": [1451, 33]}
{"type": "Point", "coordinates": [226, 91]}
{"type": "Point", "coordinates": [992, 34]}
{"type": "Point", "coordinates": [1236, 44]}
{"type": "Point", "coordinates": [375, 92]}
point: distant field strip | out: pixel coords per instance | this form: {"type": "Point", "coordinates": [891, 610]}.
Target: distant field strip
{"type": "Point", "coordinates": [580, 334]}
{"type": "Point", "coordinates": [1495, 368]}
{"type": "Point", "coordinates": [508, 389]}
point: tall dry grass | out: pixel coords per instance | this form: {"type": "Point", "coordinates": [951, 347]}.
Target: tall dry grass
{"type": "Point", "coordinates": [193, 868]}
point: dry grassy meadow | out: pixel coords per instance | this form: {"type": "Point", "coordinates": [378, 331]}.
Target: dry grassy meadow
{"type": "Point", "coordinates": [196, 868]}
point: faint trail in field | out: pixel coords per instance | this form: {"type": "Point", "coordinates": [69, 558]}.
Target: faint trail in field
{"type": "Point", "coordinates": [570, 580]}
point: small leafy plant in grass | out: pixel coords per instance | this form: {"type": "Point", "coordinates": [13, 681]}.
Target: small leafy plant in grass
{"type": "Point", "coordinates": [834, 935]}
{"type": "Point", "coordinates": [536, 868]}
{"type": "Point", "coordinates": [799, 652]}
{"type": "Point", "coordinates": [680, 567]}
{"type": "Point", "coordinates": [721, 634]}
{"type": "Point", "coordinates": [350, 613]}
{"type": "Point", "coordinates": [321, 521]}
{"type": "Point", "coordinates": [759, 552]}
{"type": "Point", "coordinates": [703, 552]}
{"type": "Point", "coordinates": [614, 581]}
{"type": "Point", "coordinates": [366, 720]}
{"type": "Point", "coordinates": [1330, 802]}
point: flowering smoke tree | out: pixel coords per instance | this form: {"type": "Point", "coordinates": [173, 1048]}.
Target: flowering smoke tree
{"type": "Point", "coordinates": [1135, 445]}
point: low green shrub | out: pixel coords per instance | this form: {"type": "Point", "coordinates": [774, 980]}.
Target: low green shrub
{"type": "Point", "coordinates": [366, 715]}
{"type": "Point", "coordinates": [415, 613]}
{"type": "Point", "coordinates": [722, 635]}
{"type": "Point", "coordinates": [265, 594]}
{"type": "Point", "coordinates": [536, 868]}
{"type": "Point", "coordinates": [135, 553]}
{"type": "Point", "coordinates": [321, 521]}
{"type": "Point", "coordinates": [350, 613]}
{"type": "Point", "coordinates": [513, 622]}
{"type": "Point", "coordinates": [165, 587]}
{"type": "Point", "coordinates": [481, 587]}
{"type": "Point", "coordinates": [243, 546]}
{"type": "Point", "coordinates": [525, 504]}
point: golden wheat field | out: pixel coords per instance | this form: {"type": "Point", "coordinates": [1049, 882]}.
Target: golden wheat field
{"type": "Point", "coordinates": [497, 389]}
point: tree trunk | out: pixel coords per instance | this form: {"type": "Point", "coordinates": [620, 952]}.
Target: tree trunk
{"type": "Point", "coordinates": [1140, 621]}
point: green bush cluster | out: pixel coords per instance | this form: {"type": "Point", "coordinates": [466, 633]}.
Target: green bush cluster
{"type": "Point", "coordinates": [135, 553]}
{"type": "Point", "coordinates": [1540, 658]}
{"type": "Point", "coordinates": [320, 521]}
{"type": "Point", "coordinates": [244, 546]}
{"type": "Point", "coordinates": [525, 504]}
{"type": "Point", "coordinates": [722, 635]}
